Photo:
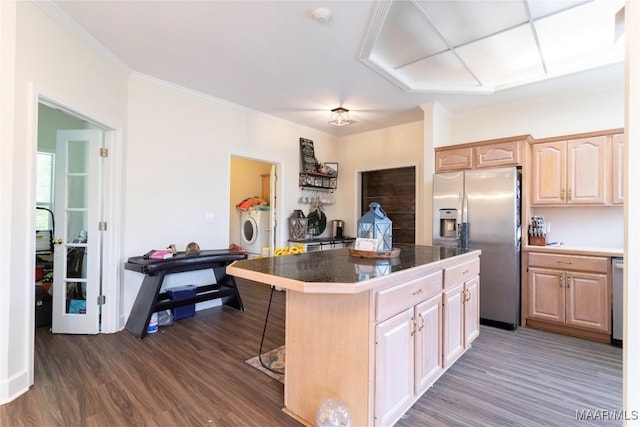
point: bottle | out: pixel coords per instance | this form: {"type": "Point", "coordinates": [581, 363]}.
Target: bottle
{"type": "Point", "coordinates": [153, 324]}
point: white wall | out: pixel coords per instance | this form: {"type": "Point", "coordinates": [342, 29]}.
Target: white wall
{"type": "Point", "coordinates": [388, 148]}
{"type": "Point", "coordinates": [631, 352]}
{"type": "Point", "coordinates": [598, 109]}
{"type": "Point", "coordinates": [178, 158]}
{"type": "Point", "coordinates": [93, 85]}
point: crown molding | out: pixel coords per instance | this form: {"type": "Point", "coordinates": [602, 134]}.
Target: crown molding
{"type": "Point", "coordinates": [58, 15]}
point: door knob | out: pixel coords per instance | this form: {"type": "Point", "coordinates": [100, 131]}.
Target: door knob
{"type": "Point", "coordinates": [57, 241]}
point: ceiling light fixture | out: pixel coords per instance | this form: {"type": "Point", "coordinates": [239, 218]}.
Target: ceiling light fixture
{"type": "Point", "coordinates": [340, 117]}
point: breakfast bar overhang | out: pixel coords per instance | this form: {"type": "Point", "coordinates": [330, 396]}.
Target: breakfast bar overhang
{"type": "Point", "coordinates": [375, 333]}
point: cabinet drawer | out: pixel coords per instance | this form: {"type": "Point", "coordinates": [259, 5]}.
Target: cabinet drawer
{"type": "Point", "coordinates": [394, 300]}
{"type": "Point", "coordinates": [460, 273]}
{"type": "Point", "coordinates": [569, 262]}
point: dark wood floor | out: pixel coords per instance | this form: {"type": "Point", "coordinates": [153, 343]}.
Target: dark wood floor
{"type": "Point", "coordinates": [193, 374]}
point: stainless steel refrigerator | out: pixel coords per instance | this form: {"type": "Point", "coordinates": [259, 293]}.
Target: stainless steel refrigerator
{"type": "Point", "coordinates": [480, 209]}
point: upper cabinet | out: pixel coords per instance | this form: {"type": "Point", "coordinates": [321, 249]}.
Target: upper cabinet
{"type": "Point", "coordinates": [572, 171]}
{"type": "Point", "coordinates": [617, 161]}
{"type": "Point", "coordinates": [478, 155]}
{"type": "Point", "coordinates": [454, 159]}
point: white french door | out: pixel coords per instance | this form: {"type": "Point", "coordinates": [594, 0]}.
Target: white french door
{"type": "Point", "coordinates": [78, 241]}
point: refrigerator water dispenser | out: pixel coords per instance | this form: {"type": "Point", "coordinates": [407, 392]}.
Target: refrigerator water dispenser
{"type": "Point", "coordinates": [448, 223]}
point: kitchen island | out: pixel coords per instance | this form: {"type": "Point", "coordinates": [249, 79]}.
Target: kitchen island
{"type": "Point", "coordinates": [374, 333]}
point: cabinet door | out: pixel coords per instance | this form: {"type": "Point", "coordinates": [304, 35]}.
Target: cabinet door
{"type": "Point", "coordinates": [471, 310]}
{"type": "Point", "coordinates": [499, 154]}
{"type": "Point", "coordinates": [394, 389]}
{"type": "Point", "coordinates": [588, 301]}
{"type": "Point", "coordinates": [617, 175]}
{"type": "Point", "coordinates": [453, 325]}
{"type": "Point", "coordinates": [428, 343]}
{"type": "Point", "coordinates": [587, 170]}
{"type": "Point", "coordinates": [546, 294]}
{"type": "Point", "coordinates": [454, 159]}
{"type": "Point", "coordinates": [549, 173]}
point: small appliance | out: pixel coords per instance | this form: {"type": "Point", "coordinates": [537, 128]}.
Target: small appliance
{"type": "Point", "coordinates": [337, 225]}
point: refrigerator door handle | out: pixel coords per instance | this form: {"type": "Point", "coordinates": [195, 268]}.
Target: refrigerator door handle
{"type": "Point", "coordinates": [465, 208]}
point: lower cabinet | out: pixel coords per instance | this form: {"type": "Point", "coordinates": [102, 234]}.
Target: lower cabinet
{"type": "Point", "coordinates": [471, 310]}
{"type": "Point", "coordinates": [453, 332]}
{"type": "Point", "coordinates": [461, 302]}
{"type": "Point", "coordinates": [569, 294]}
{"type": "Point", "coordinates": [415, 346]}
{"type": "Point", "coordinates": [323, 244]}
{"type": "Point", "coordinates": [408, 358]}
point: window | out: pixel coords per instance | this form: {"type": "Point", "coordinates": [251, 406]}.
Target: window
{"type": "Point", "coordinates": [44, 192]}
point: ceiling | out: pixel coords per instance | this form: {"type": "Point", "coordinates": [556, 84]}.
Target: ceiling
{"type": "Point", "coordinates": [380, 60]}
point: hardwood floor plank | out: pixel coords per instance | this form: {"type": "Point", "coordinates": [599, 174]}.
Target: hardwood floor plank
{"type": "Point", "coordinates": [193, 373]}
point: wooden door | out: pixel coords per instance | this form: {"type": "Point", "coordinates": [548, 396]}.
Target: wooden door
{"type": "Point", "coordinates": [617, 173]}
{"type": "Point", "coordinates": [394, 386]}
{"type": "Point", "coordinates": [454, 159]}
{"type": "Point", "coordinates": [471, 310]}
{"type": "Point", "coordinates": [395, 190]}
{"type": "Point", "coordinates": [549, 173]}
{"type": "Point", "coordinates": [498, 154]}
{"type": "Point", "coordinates": [546, 294]}
{"type": "Point", "coordinates": [453, 325]}
{"type": "Point", "coordinates": [428, 344]}
{"type": "Point", "coordinates": [587, 170]}
{"type": "Point", "coordinates": [587, 301]}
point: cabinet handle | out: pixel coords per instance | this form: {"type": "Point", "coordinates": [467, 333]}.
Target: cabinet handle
{"type": "Point", "coordinates": [569, 198]}
{"type": "Point", "coordinates": [418, 292]}
{"type": "Point", "coordinates": [421, 322]}
{"type": "Point", "coordinates": [568, 281]}
{"type": "Point", "coordinates": [465, 272]}
{"type": "Point", "coordinates": [562, 195]}
{"type": "Point", "coordinates": [413, 326]}
{"type": "Point", "coordinates": [564, 262]}
{"type": "Point", "coordinates": [561, 280]}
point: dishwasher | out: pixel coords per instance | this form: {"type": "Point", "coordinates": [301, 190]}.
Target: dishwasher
{"type": "Point", "coordinates": [617, 270]}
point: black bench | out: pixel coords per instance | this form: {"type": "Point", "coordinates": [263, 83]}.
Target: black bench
{"type": "Point", "coordinates": [149, 299]}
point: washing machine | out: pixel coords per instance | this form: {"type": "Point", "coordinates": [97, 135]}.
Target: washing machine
{"type": "Point", "coordinates": [254, 230]}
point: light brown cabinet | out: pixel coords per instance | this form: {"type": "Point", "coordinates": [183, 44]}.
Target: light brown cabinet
{"type": "Point", "coordinates": [569, 293]}
{"type": "Point", "coordinates": [454, 159]}
{"type": "Point", "coordinates": [617, 162]}
{"type": "Point", "coordinates": [584, 169]}
{"type": "Point", "coordinates": [480, 155]}
{"type": "Point", "coordinates": [408, 345]}
{"type": "Point", "coordinates": [423, 329]}
{"type": "Point", "coordinates": [461, 310]}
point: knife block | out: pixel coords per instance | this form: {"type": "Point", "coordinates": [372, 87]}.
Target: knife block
{"type": "Point", "coordinates": [537, 240]}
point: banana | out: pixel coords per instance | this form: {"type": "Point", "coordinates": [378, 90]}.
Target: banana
{"type": "Point", "coordinates": [293, 250]}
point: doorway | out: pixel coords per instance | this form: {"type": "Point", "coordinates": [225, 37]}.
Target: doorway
{"type": "Point", "coordinates": [69, 203]}
{"type": "Point", "coordinates": [253, 201]}
{"type": "Point", "coordinates": [395, 191]}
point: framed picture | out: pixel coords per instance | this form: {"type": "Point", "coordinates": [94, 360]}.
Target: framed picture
{"type": "Point", "coordinates": [331, 169]}
{"type": "Point", "coordinates": [308, 155]}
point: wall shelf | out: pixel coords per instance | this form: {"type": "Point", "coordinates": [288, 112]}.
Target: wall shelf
{"type": "Point", "coordinates": [318, 181]}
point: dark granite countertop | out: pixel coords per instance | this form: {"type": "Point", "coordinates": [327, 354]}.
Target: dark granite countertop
{"type": "Point", "coordinates": [338, 266]}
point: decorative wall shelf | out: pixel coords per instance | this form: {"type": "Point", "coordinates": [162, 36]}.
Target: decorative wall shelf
{"type": "Point", "coordinates": [318, 181]}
